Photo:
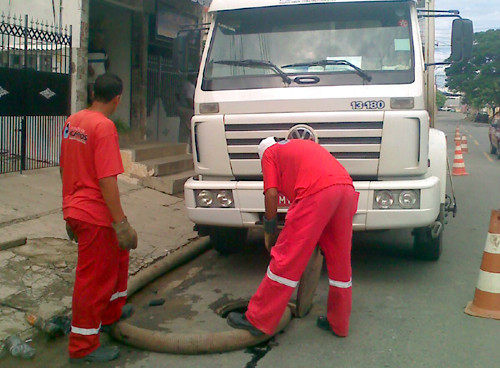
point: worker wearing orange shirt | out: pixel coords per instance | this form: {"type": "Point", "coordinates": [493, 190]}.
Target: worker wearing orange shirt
{"type": "Point", "coordinates": [323, 206]}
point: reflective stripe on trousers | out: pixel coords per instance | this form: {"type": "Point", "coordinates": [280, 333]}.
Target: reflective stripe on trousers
{"type": "Point", "coordinates": [85, 331]}
{"type": "Point", "coordinates": [340, 284]}
{"type": "Point", "coordinates": [281, 280]}
{"type": "Point", "coordinates": [117, 295]}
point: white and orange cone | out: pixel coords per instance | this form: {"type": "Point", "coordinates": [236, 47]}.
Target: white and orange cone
{"type": "Point", "coordinates": [465, 148]}
{"type": "Point", "coordinates": [457, 134]}
{"type": "Point", "coordinates": [486, 301]}
{"type": "Point", "coordinates": [458, 162]}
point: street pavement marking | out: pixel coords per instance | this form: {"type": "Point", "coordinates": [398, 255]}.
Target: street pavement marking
{"type": "Point", "coordinates": [488, 157]}
{"type": "Point", "coordinates": [476, 142]}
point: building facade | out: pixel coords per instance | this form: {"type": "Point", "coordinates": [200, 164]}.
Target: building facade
{"type": "Point", "coordinates": [133, 39]}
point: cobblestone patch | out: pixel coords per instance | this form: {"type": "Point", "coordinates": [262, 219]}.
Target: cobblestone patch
{"type": "Point", "coordinates": [35, 278]}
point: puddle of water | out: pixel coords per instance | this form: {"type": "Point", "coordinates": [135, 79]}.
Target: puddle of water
{"type": "Point", "coordinates": [259, 351]}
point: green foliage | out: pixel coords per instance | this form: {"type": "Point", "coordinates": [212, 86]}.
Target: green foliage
{"type": "Point", "coordinates": [121, 126]}
{"type": "Point", "coordinates": [479, 78]}
{"type": "Point", "coordinates": [440, 99]}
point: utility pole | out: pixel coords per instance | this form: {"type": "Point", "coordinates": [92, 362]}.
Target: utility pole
{"type": "Point", "coordinates": [60, 15]}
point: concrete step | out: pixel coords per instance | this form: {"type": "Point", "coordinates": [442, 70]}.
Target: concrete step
{"type": "Point", "coordinates": [152, 150]}
{"type": "Point", "coordinates": [170, 184]}
{"type": "Point", "coordinates": [168, 165]}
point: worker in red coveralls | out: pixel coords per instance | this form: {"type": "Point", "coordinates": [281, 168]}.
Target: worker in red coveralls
{"type": "Point", "coordinates": [323, 206]}
{"type": "Point", "coordinates": [89, 164]}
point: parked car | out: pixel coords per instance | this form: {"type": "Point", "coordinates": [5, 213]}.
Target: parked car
{"type": "Point", "coordinates": [481, 117]}
{"type": "Point", "coordinates": [494, 133]}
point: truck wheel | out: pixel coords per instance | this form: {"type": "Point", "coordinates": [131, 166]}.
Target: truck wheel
{"type": "Point", "coordinates": [426, 247]}
{"type": "Point", "coordinates": [227, 240]}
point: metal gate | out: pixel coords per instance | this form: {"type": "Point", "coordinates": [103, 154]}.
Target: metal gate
{"type": "Point", "coordinates": [35, 77]}
{"type": "Point", "coordinates": [164, 84]}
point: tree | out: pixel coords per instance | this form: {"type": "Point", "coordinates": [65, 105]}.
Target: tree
{"type": "Point", "coordinates": [479, 78]}
{"type": "Point", "coordinates": [440, 99]}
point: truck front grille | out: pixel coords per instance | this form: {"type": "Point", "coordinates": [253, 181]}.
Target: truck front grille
{"type": "Point", "coordinates": [355, 144]}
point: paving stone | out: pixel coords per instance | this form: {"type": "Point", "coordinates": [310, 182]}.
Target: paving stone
{"type": "Point", "coordinates": [5, 257]}
{"type": "Point", "coordinates": [39, 276]}
{"type": "Point", "coordinates": [11, 322]}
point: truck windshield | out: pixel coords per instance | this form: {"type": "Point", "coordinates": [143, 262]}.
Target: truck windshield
{"type": "Point", "coordinates": [332, 41]}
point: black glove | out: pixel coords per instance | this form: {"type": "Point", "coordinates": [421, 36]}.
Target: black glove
{"type": "Point", "coordinates": [71, 235]}
{"type": "Point", "coordinates": [271, 226]}
{"type": "Point", "coordinates": [270, 232]}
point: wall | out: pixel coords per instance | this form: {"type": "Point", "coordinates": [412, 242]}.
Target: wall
{"type": "Point", "coordinates": [115, 24]}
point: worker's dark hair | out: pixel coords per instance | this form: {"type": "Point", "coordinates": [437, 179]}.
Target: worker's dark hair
{"type": "Point", "coordinates": [107, 86]}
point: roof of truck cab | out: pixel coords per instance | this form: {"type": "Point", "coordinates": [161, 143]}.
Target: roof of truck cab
{"type": "Point", "coordinates": [220, 5]}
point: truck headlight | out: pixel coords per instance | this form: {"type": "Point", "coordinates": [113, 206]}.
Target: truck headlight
{"type": "Point", "coordinates": [205, 198]}
{"type": "Point", "coordinates": [407, 199]}
{"type": "Point", "coordinates": [214, 198]}
{"type": "Point", "coordinates": [384, 199]}
{"type": "Point", "coordinates": [225, 198]}
{"type": "Point", "coordinates": [397, 199]}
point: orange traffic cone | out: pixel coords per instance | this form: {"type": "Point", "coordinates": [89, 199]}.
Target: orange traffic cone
{"type": "Point", "coordinates": [458, 162]}
{"type": "Point", "coordinates": [486, 301]}
{"type": "Point", "coordinates": [465, 148]}
{"type": "Point", "coordinates": [457, 134]}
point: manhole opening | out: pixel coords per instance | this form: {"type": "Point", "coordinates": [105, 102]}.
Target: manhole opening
{"type": "Point", "coordinates": [236, 306]}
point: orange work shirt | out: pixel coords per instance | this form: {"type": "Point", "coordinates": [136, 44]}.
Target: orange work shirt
{"type": "Point", "coordinates": [299, 168]}
{"type": "Point", "coordinates": [89, 152]}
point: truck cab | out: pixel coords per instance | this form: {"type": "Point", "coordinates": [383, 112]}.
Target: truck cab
{"type": "Point", "coordinates": [349, 75]}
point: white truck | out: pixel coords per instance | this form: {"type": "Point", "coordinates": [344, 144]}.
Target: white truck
{"type": "Point", "coordinates": [354, 76]}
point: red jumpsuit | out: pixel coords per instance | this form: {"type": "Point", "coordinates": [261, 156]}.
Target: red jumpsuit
{"type": "Point", "coordinates": [323, 205]}
{"type": "Point", "coordinates": [89, 152]}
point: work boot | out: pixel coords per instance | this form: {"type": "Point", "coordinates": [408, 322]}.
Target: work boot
{"type": "Point", "coordinates": [100, 355]}
{"type": "Point", "coordinates": [127, 311]}
{"type": "Point", "coordinates": [238, 320]}
{"type": "Point", "coordinates": [322, 322]}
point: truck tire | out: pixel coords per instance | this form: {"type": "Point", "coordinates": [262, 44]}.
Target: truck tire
{"type": "Point", "coordinates": [227, 240]}
{"type": "Point", "coordinates": [425, 247]}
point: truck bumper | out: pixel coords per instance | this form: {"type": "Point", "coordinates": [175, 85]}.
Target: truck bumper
{"type": "Point", "coordinates": [249, 204]}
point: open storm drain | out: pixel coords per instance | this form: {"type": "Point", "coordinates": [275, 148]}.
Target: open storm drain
{"type": "Point", "coordinates": [198, 340]}
{"type": "Point", "coordinates": [239, 306]}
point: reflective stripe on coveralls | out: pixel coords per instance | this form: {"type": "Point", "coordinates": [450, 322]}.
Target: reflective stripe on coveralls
{"type": "Point", "coordinates": [85, 331]}
{"type": "Point", "coordinates": [117, 295]}
{"type": "Point", "coordinates": [281, 280]}
{"type": "Point", "coordinates": [95, 331]}
{"type": "Point", "coordinates": [340, 284]}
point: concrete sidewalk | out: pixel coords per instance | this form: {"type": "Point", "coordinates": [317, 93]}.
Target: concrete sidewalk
{"type": "Point", "coordinates": [38, 277]}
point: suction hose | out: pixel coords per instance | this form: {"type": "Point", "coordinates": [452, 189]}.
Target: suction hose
{"type": "Point", "coordinates": [176, 343]}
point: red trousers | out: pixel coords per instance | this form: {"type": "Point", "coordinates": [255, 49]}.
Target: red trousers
{"type": "Point", "coordinates": [100, 285]}
{"type": "Point", "coordinates": [324, 218]}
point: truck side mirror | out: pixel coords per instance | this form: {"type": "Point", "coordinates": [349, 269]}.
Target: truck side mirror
{"type": "Point", "coordinates": [461, 40]}
{"type": "Point", "coordinates": [186, 51]}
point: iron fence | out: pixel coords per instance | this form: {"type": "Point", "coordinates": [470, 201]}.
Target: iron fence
{"type": "Point", "coordinates": [35, 75]}
{"type": "Point", "coordinates": [43, 142]}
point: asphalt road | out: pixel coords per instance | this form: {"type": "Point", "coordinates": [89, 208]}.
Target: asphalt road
{"type": "Point", "coordinates": [406, 313]}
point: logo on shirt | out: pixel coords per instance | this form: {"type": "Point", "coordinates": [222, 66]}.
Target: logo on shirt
{"type": "Point", "coordinates": [75, 133]}
{"type": "Point", "coordinates": [302, 131]}
{"type": "Point", "coordinates": [66, 131]}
